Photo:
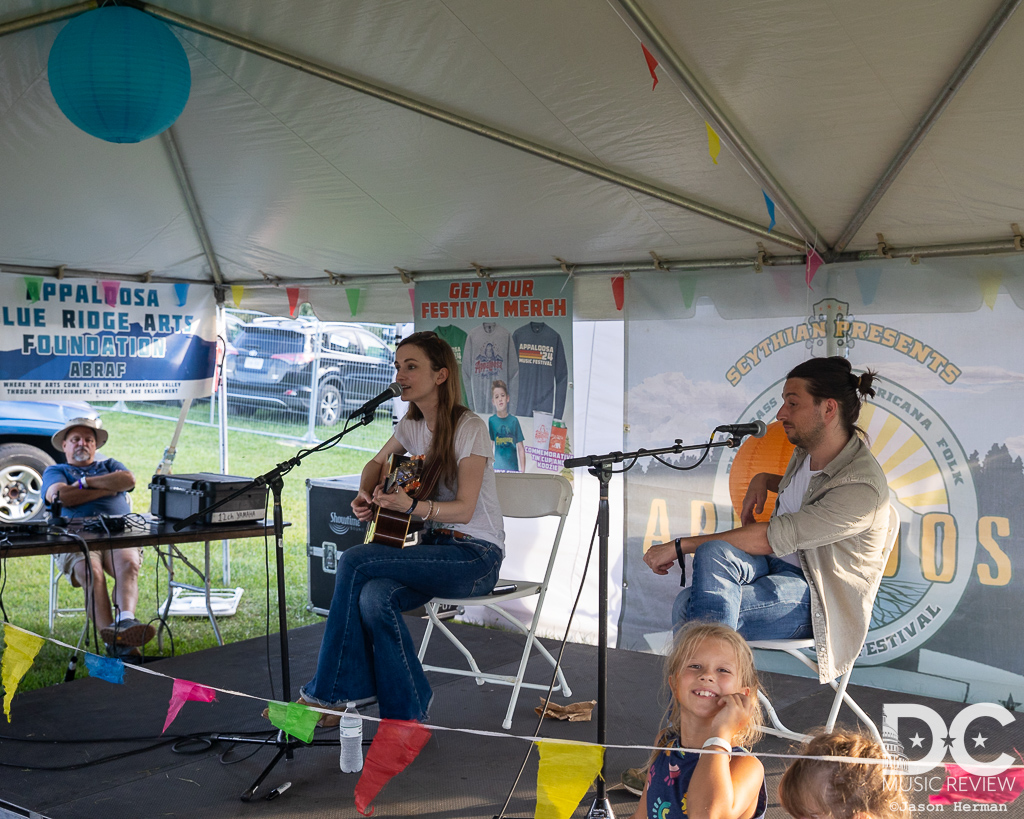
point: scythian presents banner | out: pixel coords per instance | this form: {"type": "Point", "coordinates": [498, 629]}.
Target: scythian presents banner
{"type": "Point", "coordinates": [513, 339]}
{"type": "Point", "coordinates": [946, 426]}
{"type": "Point", "coordinates": [105, 340]}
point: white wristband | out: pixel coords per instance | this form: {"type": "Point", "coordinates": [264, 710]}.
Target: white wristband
{"type": "Point", "coordinates": [718, 742]}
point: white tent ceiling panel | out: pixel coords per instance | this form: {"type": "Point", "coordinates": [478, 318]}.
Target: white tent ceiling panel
{"type": "Point", "coordinates": [294, 174]}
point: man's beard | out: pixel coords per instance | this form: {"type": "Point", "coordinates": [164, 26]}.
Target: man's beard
{"type": "Point", "coordinates": [81, 454]}
{"type": "Point", "coordinates": [808, 438]}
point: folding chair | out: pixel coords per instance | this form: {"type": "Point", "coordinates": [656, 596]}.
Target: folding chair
{"type": "Point", "coordinates": [520, 496]}
{"type": "Point", "coordinates": [55, 610]}
{"type": "Point", "coordinates": [796, 648]}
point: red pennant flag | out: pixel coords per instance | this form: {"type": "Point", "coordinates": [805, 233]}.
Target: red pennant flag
{"type": "Point", "coordinates": [395, 745]}
{"type": "Point", "coordinates": [996, 788]}
{"type": "Point", "coordinates": [652, 63]}
{"type": "Point", "coordinates": [619, 291]}
{"type": "Point", "coordinates": [814, 261]}
{"type": "Point", "coordinates": [293, 300]}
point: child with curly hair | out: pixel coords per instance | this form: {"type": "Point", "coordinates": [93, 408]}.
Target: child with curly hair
{"type": "Point", "coordinates": [842, 790]}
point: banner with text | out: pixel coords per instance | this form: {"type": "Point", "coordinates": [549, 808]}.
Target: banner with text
{"type": "Point", "coordinates": [513, 339]}
{"type": "Point", "coordinates": [946, 426]}
{"type": "Point", "coordinates": [105, 340]}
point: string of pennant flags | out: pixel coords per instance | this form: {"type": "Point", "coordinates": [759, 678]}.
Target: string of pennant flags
{"type": "Point", "coordinates": [565, 772]}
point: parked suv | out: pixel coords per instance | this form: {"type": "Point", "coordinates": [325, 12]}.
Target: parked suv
{"type": "Point", "coordinates": [25, 451]}
{"type": "Point", "coordinates": [280, 363]}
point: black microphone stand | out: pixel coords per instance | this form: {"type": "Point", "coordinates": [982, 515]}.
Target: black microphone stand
{"type": "Point", "coordinates": [275, 480]}
{"type": "Point", "coordinates": [600, 466]}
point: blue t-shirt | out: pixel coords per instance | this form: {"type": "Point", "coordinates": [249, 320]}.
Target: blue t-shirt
{"type": "Point", "coordinates": [506, 433]}
{"type": "Point", "coordinates": [66, 473]}
{"type": "Point", "coordinates": [668, 780]}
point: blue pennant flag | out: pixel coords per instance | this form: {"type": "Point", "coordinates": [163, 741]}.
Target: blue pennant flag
{"type": "Point", "coordinates": [110, 669]}
{"type": "Point", "coordinates": [768, 203]}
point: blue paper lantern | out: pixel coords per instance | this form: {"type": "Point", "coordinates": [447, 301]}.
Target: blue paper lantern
{"type": "Point", "coordinates": [119, 74]}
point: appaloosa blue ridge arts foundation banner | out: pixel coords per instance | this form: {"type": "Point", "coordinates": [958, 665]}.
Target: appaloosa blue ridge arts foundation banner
{"type": "Point", "coordinates": [513, 340]}
{"type": "Point", "coordinates": [947, 427]}
{"type": "Point", "coordinates": [105, 340]}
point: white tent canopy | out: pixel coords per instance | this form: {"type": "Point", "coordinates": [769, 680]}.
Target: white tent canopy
{"type": "Point", "coordinates": [559, 147]}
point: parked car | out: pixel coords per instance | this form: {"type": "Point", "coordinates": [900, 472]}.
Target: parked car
{"type": "Point", "coordinates": [25, 451]}
{"type": "Point", "coordinates": [280, 363]}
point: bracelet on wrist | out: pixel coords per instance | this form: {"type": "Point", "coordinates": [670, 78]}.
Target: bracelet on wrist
{"type": "Point", "coordinates": [679, 551]}
{"type": "Point", "coordinates": [412, 508]}
{"type": "Point", "coordinates": [718, 742]}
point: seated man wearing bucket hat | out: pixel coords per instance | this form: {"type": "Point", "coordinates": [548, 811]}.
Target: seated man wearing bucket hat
{"type": "Point", "coordinates": [89, 486]}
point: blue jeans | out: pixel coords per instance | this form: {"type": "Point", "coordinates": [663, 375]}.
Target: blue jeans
{"type": "Point", "coordinates": [760, 596]}
{"type": "Point", "coordinates": [367, 650]}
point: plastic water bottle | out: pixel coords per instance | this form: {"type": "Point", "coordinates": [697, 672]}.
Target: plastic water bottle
{"type": "Point", "coordinates": [350, 730]}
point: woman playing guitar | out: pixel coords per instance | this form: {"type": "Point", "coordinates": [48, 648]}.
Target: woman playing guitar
{"type": "Point", "coordinates": [367, 652]}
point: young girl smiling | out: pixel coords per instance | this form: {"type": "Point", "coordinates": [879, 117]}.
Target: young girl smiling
{"type": "Point", "coordinates": [711, 675]}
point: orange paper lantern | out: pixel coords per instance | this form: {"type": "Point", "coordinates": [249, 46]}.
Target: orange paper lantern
{"type": "Point", "coordinates": [768, 454]}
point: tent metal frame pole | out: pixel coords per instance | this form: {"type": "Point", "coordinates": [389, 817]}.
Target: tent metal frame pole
{"type": "Point", "coordinates": [54, 16]}
{"type": "Point", "coordinates": [688, 84]}
{"type": "Point", "coordinates": [994, 247]}
{"type": "Point", "coordinates": [920, 131]}
{"type": "Point", "coordinates": [185, 184]}
{"type": "Point", "coordinates": [505, 138]}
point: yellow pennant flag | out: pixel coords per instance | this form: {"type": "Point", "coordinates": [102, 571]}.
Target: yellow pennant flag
{"type": "Point", "coordinates": [20, 649]}
{"type": "Point", "coordinates": [565, 774]}
{"type": "Point", "coordinates": [714, 143]}
{"type": "Point", "coordinates": [989, 283]}
{"type": "Point", "coordinates": [236, 294]}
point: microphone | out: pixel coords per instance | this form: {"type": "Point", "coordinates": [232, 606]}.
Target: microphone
{"type": "Point", "coordinates": [757, 429]}
{"type": "Point", "coordinates": [393, 391]}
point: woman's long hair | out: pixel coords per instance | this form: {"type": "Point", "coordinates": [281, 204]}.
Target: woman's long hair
{"type": "Point", "coordinates": [449, 402]}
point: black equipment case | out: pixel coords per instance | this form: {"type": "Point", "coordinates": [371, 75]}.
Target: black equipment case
{"type": "Point", "coordinates": [176, 497]}
{"type": "Point", "coordinates": [331, 529]}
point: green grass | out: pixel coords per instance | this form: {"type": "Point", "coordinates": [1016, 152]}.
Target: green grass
{"type": "Point", "coordinates": [139, 443]}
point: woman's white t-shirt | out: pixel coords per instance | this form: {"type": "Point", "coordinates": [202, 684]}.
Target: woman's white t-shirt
{"type": "Point", "coordinates": [471, 438]}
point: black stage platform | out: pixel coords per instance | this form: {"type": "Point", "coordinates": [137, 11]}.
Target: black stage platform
{"type": "Point", "coordinates": [456, 775]}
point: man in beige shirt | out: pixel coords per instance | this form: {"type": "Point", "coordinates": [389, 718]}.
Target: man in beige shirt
{"type": "Point", "coordinates": [814, 569]}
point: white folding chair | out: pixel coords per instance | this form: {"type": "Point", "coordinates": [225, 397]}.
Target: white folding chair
{"type": "Point", "coordinates": [55, 610]}
{"type": "Point", "coordinates": [796, 648]}
{"type": "Point", "coordinates": [520, 496]}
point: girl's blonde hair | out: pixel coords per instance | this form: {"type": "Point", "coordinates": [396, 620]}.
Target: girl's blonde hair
{"type": "Point", "coordinates": [842, 789]}
{"type": "Point", "coordinates": [687, 641]}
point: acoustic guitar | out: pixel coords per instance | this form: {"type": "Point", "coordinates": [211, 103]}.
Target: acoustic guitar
{"type": "Point", "coordinates": [391, 528]}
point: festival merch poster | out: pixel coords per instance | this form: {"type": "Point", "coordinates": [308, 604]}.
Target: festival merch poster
{"type": "Point", "coordinates": [946, 425]}
{"type": "Point", "coordinates": [93, 340]}
{"type": "Point", "coordinates": [513, 340]}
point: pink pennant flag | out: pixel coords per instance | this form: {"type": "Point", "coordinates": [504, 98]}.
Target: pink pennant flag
{"type": "Point", "coordinates": [183, 691]}
{"type": "Point", "coordinates": [412, 299]}
{"type": "Point", "coordinates": [996, 789]}
{"type": "Point", "coordinates": [652, 63]}
{"type": "Point", "coordinates": [814, 261]}
{"type": "Point", "coordinates": [110, 293]}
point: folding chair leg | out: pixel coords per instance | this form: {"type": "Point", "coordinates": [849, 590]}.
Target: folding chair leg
{"type": "Point", "coordinates": [435, 621]}
{"type": "Point", "coordinates": [779, 730]}
{"type": "Point", "coordinates": [533, 642]}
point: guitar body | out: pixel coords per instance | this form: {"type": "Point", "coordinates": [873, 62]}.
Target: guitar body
{"type": "Point", "coordinates": [388, 527]}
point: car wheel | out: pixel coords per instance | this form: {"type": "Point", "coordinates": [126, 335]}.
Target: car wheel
{"type": "Point", "coordinates": [21, 482]}
{"type": "Point", "coordinates": [328, 411]}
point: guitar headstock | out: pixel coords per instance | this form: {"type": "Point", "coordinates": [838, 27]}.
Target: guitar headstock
{"type": "Point", "coordinates": [406, 472]}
